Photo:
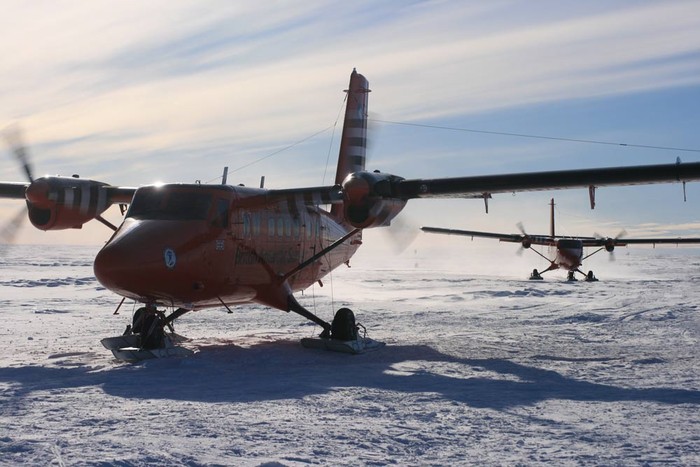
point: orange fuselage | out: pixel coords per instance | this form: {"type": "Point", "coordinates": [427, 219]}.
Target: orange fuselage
{"type": "Point", "coordinates": [198, 246]}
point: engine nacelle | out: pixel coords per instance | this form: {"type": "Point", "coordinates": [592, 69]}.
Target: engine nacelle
{"type": "Point", "coordinates": [368, 200]}
{"type": "Point", "coordinates": [526, 242]}
{"type": "Point", "coordinates": [57, 203]}
{"type": "Point", "coordinates": [609, 244]}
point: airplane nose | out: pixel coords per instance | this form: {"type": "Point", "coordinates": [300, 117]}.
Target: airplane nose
{"type": "Point", "coordinates": [128, 268]}
{"type": "Point", "coordinates": [153, 260]}
{"type": "Point", "coordinates": [137, 262]}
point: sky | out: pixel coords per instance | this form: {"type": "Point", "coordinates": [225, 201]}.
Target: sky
{"type": "Point", "coordinates": [133, 93]}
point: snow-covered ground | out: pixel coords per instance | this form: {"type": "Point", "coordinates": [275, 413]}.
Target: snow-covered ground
{"type": "Point", "coordinates": [479, 369]}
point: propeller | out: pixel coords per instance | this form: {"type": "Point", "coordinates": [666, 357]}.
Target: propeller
{"type": "Point", "coordinates": [402, 232]}
{"type": "Point", "coordinates": [526, 242]}
{"type": "Point", "coordinates": [621, 234]}
{"type": "Point", "coordinates": [610, 243]}
{"type": "Point", "coordinates": [9, 230]}
{"type": "Point", "coordinates": [13, 138]}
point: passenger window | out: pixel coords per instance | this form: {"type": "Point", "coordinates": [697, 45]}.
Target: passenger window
{"type": "Point", "coordinates": [308, 227]}
{"type": "Point", "coordinates": [280, 227]}
{"type": "Point", "coordinates": [246, 225]}
{"type": "Point", "coordinates": [256, 224]}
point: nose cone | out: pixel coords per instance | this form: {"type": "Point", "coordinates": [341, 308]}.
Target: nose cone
{"type": "Point", "coordinates": [126, 262]}
{"type": "Point", "coordinates": [145, 261]}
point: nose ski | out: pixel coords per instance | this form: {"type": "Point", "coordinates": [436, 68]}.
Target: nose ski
{"type": "Point", "coordinates": [146, 338]}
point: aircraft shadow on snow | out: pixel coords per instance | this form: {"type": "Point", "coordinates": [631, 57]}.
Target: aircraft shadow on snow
{"type": "Point", "coordinates": [282, 369]}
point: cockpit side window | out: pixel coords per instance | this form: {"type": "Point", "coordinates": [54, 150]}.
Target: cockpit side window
{"type": "Point", "coordinates": [221, 217]}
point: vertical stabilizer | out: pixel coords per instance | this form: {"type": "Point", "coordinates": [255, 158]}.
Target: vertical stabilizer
{"type": "Point", "coordinates": [353, 143]}
{"type": "Point", "coordinates": [551, 218]}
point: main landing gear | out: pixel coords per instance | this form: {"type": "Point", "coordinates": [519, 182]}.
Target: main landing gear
{"type": "Point", "coordinates": [570, 277]}
{"type": "Point", "coordinates": [345, 336]}
{"type": "Point", "coordinates": [341, 335]}
{"type": "Point", "coordinates": [147, 338]}
{"type": "Point", "coordinates": [535, 276]}
{"type": "Point", "coordinates": [590, 277]}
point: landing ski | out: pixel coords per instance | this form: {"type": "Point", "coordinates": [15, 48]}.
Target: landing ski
{"type": "Point", "coordinates": [134, 354]}
{"type": "Point", "coordinates": [128, 347]}
{"type": "Point", "coordinates": [357, 346]}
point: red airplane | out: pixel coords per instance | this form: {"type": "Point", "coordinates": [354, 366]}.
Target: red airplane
{"type": "Point", "coordinates": [187, 247]}
{"type": "Point", "coordinates": [567, 252]}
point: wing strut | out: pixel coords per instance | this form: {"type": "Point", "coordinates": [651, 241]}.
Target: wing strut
{"type": "Point", "coordinates": [591, 194]}
{"type": "Point", "coordinates": [106, 222]}
{"type": "Point", "coordinates": [292, 302]}
{"type": "Point", "coordinates": [315, 257]}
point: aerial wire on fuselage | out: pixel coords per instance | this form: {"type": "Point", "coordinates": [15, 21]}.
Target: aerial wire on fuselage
{"type": "Point", "coordinates": [330, 144]}
{"type": "Point", "coordinates": [323, 182]}
{"type": "Point", "coordinates": [563, 226]}
{"type": "Point", "coordinates": [333, 126]}
{"type": "Point", "coordinates": [449, 128]}
{"type": "Point", "coordinates": [277, 151]}
{"type": "Point", "coordinates": [527, 135]}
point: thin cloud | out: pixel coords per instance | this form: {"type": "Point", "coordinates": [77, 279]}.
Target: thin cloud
{"type": "Point", "coordinates": [125, 90]}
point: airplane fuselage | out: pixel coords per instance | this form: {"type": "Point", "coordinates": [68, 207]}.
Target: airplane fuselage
{"type": "Point", "coordinates": [198, 246]}
{"type": "Point", "coordinates": [567, 253]}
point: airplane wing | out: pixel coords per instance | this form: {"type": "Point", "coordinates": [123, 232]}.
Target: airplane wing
{"type": "Point", "coordinates": [482, 186]}
{"type": "Point", "coordinates": [119, 194]}
{"type": "Point", "coordinates": [295, 197]}
{"type": "Point", "coordinates": [546, 240]}
{"type": "Point", "coordinates": [601, 242]}
{"type": "Point", "coordinates": [377, 197]}
{"type": "Point", "coordinates": [12, 190]}
{"type": "Point", "coordinates": [312, 195]}
{"type": "Point", "coordinates": [513, 238]}
{"type": "Point", "coordinates": [115, 194]}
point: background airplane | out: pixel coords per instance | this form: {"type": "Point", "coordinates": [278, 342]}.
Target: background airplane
{"type": "Point", "coordinates": [188, 247]}
{"type": "Point", "coordinates": [564, 252]}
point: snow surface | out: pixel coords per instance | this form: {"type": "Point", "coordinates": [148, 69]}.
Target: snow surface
{"type": "Point", "coordinates": [489, 370]}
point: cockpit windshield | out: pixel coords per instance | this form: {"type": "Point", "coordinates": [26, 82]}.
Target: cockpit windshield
{"type": "Point", "coordinates": [569, 243]}
{"type": "Point", "coordinates": [163, 203]}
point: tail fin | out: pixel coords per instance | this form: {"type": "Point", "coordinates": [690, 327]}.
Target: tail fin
{"type": "Point", "coordinates": [353, 144]}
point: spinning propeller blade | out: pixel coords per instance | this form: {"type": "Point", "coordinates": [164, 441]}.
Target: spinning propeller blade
{"type": "Point", "coordinates": [610, 243]}
{"type": "Point", "coordinates": [9, 231]}
{"type": "Point", "coordinates": [621, 234]}
{"type": "Point", "coordinates": [13, 137]}
{"type": "Point", "coordinates": [525, 243]}
{"type": "Point", "coordinates": [402, 233]}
